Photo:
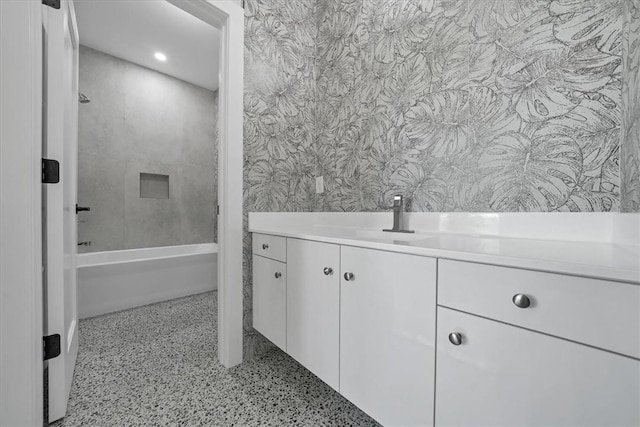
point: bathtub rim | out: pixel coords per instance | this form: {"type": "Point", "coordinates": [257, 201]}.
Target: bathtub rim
{"type": "Point", "coordinates": [83, 260]}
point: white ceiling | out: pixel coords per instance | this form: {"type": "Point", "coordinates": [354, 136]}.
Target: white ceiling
{"type": "Point", "coordinates": [135, 29]}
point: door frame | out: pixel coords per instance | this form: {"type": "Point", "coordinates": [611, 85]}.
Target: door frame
{"type": "Point", "coordinates": [21, 365]}
{"type": "Point", "coordinates": [21, 375]}
{"type": "Point", "coordinates": [228, 17]}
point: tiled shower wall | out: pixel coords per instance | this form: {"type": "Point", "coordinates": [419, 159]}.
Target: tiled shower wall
{"type": "Point", "coordinates": [142, 121]}
{"type": "Point", "coordinates": [460, 105]}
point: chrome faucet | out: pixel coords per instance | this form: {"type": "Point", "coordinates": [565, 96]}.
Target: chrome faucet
{"type": "Point", "coordinates": [398, 216]}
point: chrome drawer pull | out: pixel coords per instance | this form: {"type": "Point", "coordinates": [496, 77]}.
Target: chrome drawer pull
{"type": "Point", "coordinates": [455, 338]}
{"type": "Point", "coordinates": [328, 271]}
{"type": "Point", "coordinates": [521, 300]}
{"type": "Point", "coordinates": [265, 246]}
{"type": "Point", "coordinates": [348, 277]}
{"type": "Point", "coordinates": [278, 275]}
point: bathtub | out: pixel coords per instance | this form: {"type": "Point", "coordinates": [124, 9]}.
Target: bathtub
{"type": "Point", "coordinates": [117, 280]}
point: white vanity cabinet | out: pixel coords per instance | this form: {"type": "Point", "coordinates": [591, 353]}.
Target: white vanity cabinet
{"type": "Point", "coordinates": [313, 307]}
{"type": "Point", "coordinates": [270, 288]}
{"type": "Point", "coordinates": [512, 346]}
{"type": "Point", "coordinates": [387, 334]}
{"type": "Point", "coordinates": [528, 348]}
{"type": "Point", "coordinates": [503, 375]}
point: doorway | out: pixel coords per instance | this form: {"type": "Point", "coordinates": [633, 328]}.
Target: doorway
{"type": "Point", "coordinates": [22, 339]}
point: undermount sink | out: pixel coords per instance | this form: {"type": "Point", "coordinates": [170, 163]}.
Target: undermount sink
{"type": "Point", "coordinates": [390, 236]}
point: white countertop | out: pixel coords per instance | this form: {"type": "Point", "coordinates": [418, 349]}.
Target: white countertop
{"type": "Point", "coordinates": [603, 260]}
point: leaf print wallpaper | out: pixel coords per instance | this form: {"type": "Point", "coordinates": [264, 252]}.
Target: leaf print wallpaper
{"type": "Point", "coordinates": [279, 126]}
{"type": "Point", "coordinates": [459, 105]}
{"type": "Point", "coordinates": [490, 105]}
{"type": "Point", "coordinates": [631, 118]}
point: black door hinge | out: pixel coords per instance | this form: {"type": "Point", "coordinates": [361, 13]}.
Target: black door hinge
{"type": "Point", "coordinates": [52, 3]}
{"type": "Point", "coordinates": [50, 171]}
{"type": "Point", "coordinates": [51, 346]}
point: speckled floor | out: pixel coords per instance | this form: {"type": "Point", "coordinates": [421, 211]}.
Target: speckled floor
{"type": "Point", "coordinates": [156, 365]}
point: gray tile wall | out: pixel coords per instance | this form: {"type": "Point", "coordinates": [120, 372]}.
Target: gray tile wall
{"type": "Point", "coordinates": [460, 105]}
{"type": "Point", "coordinates": [140, 120]}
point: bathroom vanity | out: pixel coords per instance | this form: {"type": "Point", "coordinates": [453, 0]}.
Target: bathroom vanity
{"type": "Point", "coordinates": [438, 328]}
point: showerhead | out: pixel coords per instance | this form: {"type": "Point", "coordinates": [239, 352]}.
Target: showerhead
{"type": "Point", "coordinates": [83, 98]}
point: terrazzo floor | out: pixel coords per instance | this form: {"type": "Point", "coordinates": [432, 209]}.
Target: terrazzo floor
{"type": "Point", "coordinates": [156, 366]}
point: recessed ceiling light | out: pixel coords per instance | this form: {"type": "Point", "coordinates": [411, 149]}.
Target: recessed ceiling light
{"type": "Point", "coordinates": [160, 56]}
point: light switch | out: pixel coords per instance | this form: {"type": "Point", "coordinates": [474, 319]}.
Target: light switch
{"type": "Point", "coordinates": [319, 185]}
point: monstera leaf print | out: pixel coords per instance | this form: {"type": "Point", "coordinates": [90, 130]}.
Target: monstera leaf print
{"type": "Point", "coordinates": [490, 115]}
{"type": "Point", "coordinates": [281, 92]}
{"type": "Point", "coordinates": [424, 192]}
{"type": "Point", "coordinates": [447, 123]}
{"type": "Point", "coordinates": [304, 194]}
{"type": "Point", "coordinates": [447, 52]}
{"type": "Point", "coordinates": [270, 184]}
{"type": "Point", "coordinates": [579, 21]}
{"type": "Point", "coordinates": [544, 88]}
{"type": "Point", "coordinates": [336, 78]}
{"type": "Point", "coordinates": [361, 191]}
{"type": "Point", "coordinates": [300, 17]}
{"type": "Point", "coordinates": [350, 151]}
{"type": "Point", "coordinates": [335, 34]}
{"type": "Point", "coordinates": [487, 17]}
{"type": "Point", "coordinates": [439, 123]}
{"type": "Point", "coordinates": [528, 41]}
{"type": "Point", "coordinates": [531, 175]}
{"type": "Point", "coordinates": [609, 179]}
{"type": "Point", "coordinates": [400, 27]}
{"type": "Point", "coordinates": [407, 84]}
{"type": "Point", "coordinates": [589, 201]}
{"type": "Point", "coordinates": [273, 41]}
{"type": "Point", "coordinates": [600, 193]}
{"type": "Point", "coordinates": [374, 126]}
{"type": "Point", "coordinates": [594, 127]}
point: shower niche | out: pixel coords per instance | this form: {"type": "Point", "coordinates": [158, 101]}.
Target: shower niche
{"type": "Point", "coordinates": [154, 186]}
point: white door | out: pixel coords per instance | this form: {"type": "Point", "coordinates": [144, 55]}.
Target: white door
{"type": "Point", "coordinates": [60, 104]}
{"type": "Point", "coordinates": [387, 334]}
{"type": "Point", "coordinates": [270, 299]}
{"type": "Point", "coordinates": [313, 307]}
{"type": "Point", "coordinates": [502, 375]}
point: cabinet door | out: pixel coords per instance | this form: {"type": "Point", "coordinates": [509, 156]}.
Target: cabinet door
{"type": "Point", "coordinates": [270, 299]}
{"type": "Point", "coordinates": [387, 335]}
{"type": "Point", "coordinates": [313, 301]}
{"type": "Point", "coordinates": [502, 375]}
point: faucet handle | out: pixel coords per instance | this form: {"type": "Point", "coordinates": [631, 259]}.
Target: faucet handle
{"type": "Point", "coordinates": [397, 200]}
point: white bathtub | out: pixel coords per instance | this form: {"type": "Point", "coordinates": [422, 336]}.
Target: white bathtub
{"type": "Point", "coordinates": [116, 280]}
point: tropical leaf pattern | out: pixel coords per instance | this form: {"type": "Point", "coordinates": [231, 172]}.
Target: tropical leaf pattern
{"type": "Point", "coordinates": [460, 105]}
{"type": "Point", "coordinates": [630, 157]}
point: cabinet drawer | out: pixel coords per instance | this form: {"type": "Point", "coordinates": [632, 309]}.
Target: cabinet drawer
{"type": "Point", "coordinates": [274, 247]}
{"type": "Point", "coordinates": [502, 375]}
{"type": "Point", "coordinates": [596, 312]}
{"type": "Point", "coordinates": [270, 299]}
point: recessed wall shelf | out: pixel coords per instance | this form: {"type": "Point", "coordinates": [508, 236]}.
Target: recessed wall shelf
{"type": "Point", "coordinates": [154, 186]}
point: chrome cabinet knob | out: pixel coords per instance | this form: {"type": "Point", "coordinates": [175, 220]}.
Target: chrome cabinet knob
{"type": "Point", "coordinates": [455, 338]}
{"type": "Point", "coordinates": [265, 246]}
{"type": "Point", "coordinates": [348, 277]}
{"type": "Point", "coordinates": [278, 275]}
{"type": "Point", "coordinates": [328, 271]}
{"type": "Point", "coordinates": [521, 300]}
